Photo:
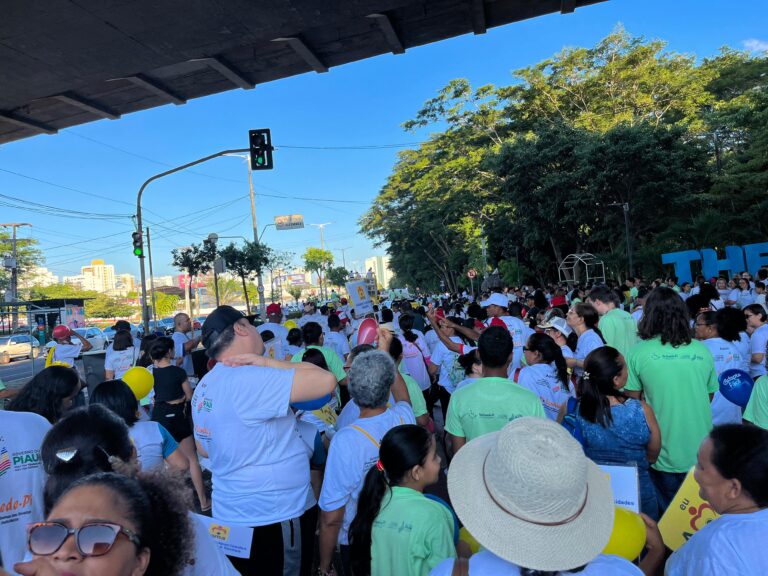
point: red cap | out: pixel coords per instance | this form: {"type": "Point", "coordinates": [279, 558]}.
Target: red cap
{"type": "Point", "coordinates": [60, 331]}
{"type": "Point", "coordinates": [274, 308]}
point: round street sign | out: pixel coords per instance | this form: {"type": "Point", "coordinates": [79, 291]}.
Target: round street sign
{"type": "Point", "coordinates": [472, 273]}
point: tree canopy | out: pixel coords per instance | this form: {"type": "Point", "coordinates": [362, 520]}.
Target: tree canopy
{"type": "Point", "coordinates": [541, 168]}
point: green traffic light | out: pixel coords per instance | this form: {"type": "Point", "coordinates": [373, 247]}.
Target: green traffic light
{"type": "Point", "coordinates": [138, 252]}
{"type": "Point", "coordinates": [260, 160]}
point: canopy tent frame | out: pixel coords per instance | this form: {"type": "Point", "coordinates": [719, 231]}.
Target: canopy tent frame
{"type": "Point", "coordinates": [570, 269]}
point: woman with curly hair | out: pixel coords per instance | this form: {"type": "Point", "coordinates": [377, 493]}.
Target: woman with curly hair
{"type": "Point", "coordinates": [50, 393]}
{"type": "Point", "coordinates": [142, 527]}
{"type": "Point", "coordinates": [95, 440]}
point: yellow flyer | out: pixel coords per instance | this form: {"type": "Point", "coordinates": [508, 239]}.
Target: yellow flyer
{"type": "Point", "coordinates": [686, 515]}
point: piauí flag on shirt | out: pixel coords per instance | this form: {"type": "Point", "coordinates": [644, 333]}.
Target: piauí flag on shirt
{"type": "Point", "coordinates": [5, 461]}
{"type": "Point", "coordinates": [687, 514]}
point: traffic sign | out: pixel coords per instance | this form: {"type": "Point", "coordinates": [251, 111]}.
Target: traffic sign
{"type": "Point", "coordinates": [472, 273]}
{"type": "Point", "coordinates": [290, 222]}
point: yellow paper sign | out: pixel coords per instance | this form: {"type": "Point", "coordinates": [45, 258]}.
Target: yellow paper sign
{"type": "Point", "coordinates": [687, 514]}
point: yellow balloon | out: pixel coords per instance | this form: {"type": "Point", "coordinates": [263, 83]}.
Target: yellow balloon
{"type": "Point", "coordinates": [473, 544]}
{"type": "Point", "coordinates": [628, 536]}
{"type": "Point", "coordinates": [139, 380]}
{"type": "Point", "coordinates": [290, 324]}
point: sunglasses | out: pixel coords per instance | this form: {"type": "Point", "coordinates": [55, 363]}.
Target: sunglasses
{"type": "Point", "coordinates": [95, 539]}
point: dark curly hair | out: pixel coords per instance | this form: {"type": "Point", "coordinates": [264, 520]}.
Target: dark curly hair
{"type": "Point", "coordinates": [156, 504]}
{"type": "Point", "coordinates": [46, 392]}
{"type": "Point", "coordinates": [665, 315]}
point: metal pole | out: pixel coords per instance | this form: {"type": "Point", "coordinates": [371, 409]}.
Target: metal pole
{"type": "Point", "coordinates": [482, 247]}
{"type": "Point", "coordinates": [517, 261]}
{"type": "Point", "coordinates": [259, 278]}
{"type": "Point", "coordinates": [14, 283]}
{"type": "Point", "coordinates": [629, 242]}
{"type": "Point", "coordinates": [151, 276]}
{"type": "Point", "coordinates": [144, 312]}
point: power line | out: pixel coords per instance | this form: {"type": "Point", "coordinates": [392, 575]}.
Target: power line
{"type": "Point", "coordinates": [29, 206]}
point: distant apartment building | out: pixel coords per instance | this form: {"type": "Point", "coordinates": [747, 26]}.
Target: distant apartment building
{"type": "Point", "coordinates": [161, 281]}
{"type": "Point", "coordinates": [37, 276]}
{"type": "Point", "coordinates": [77, 281]}
{"type": "Point", "coordinates": [99, 276]}
{"type": "Point", "coordinates": [380, 267]}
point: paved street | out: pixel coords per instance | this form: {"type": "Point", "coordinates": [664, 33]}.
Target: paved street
{"type": "Point", "coordinates": [15, 374]}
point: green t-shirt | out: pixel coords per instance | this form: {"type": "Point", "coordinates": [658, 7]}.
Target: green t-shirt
{"type": "Point", "coordinates": [418, 403]}
{"type": "Point", "coordinates": [411, 534]}
{"type": "Point", "coordinates": [757, 408]}
{"type": "Point", "coordinates": [619, 330]}
{"type": "Point", "coordinates": [488, 404]}
{"type": "Point", "coordinates": [335, 366]}
{"type": "Point", "coordinates": [677, 383]}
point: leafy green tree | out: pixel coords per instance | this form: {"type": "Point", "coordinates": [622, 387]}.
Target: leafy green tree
{"type": "Point", "coordinates": [337, 276]}
{"type": "Point", "coordinates": [165, 304]}
{"type": "Point", "coordinates": [103, 306]}
{"type": "Point", "coordinates": [318, 261]}
{"type": "Point", "coordinates": [246, 261]}
{"type": "Point", "coordinates": [295, 291]}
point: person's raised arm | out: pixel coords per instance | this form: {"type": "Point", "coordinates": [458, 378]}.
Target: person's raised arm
{"type": "Point", "coordinates": [86, 345]}
{"type": "Point", "coordinates": [654, 442]}
{"type": "Point", "coordinates": [309, 381]}
{"type": "Point", "coordinates": [447, 342]}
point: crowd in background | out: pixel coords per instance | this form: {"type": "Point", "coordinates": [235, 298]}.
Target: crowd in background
{"type": "Point", "coordinates": [354, 444]}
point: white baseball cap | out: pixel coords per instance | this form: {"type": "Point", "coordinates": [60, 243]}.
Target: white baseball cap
{"type": "Point", "coordinates": [495, 299]}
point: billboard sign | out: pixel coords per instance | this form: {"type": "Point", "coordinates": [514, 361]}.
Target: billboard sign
{"type": "Point", "coordinates": [290, 222]}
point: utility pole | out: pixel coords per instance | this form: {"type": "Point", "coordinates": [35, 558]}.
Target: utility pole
{"type": "Point", "coordinates": [151, 276]}
{"type": "Point", "coordinates": [259, 277]}
{"type": "Point", "coordinates": [343, 255]}
{"type": "Point", "coordinates": [625, 209]}
{"type": "Point", "coordinates": [322, 247]}
{"type": "Point", "coordinates": [14, 266]}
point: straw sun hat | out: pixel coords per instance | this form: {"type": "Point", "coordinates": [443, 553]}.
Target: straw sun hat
{"type": "Point", "coordinates": [530, 496]}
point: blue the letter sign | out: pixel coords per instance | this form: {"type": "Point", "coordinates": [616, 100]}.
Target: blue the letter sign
{"type": "Point", "coordinates": [751, 258]}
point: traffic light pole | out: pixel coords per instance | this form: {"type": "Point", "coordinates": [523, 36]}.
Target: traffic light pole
{"type": "Point", "coordinates": [139, 225]}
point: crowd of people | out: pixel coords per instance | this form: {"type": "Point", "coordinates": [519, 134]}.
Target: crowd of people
{"type": "Point", "coordinates": [341, 450]}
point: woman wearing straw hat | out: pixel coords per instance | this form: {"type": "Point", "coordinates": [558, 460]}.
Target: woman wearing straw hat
{"type": "Point", "coordinates": [535, 503]}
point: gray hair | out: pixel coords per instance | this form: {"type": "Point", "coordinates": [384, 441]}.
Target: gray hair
{"type": "Point", "coordinates": [370, 377]}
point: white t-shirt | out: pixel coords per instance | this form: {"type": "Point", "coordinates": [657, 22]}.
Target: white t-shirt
{"type": "Point", "coordinates": [351, 455]}
{"type": "Point", "coordinates": [742, 297]}
{"type": "Point", "coordinates": [153, 443]}
{"type": "Point", "coordinates": [179, 339]}
{"type": "Point", "coordinates": [67, 352]}
{"type": "Point", "coordinates": [567, 352]}
{"type": "Point", "coordinates": [316, 317]}
{"type": "Point", "coordinates": [744, 346]}
{"type": "Point", "coordinates": [258, 461]}
{"type": "Point", "coordinates": [734, 544]}
{"type": "Point", "coordinates": [485, 563]}
{"type": "Point", "coordinates": [726, 356]}
{"type": "Point", "coordinates": [122, 361]}
{"type": "Point", "coordinates": [518, 330]}
{"type": "Point", "coordinates": [338, 343]}
{"type": "Point", "coordinates": [542, 380]}
{"type": "Point", "coordinates": [209, 559]}
{"type": "Point", "coordinates": [637, 314]}
{"type": "Point", "coordinates": [466, 382]}
{"type": "Point", "coordinates": [444, 358]}
{"type": "Point", "coordinates": [432, 340]}
{"type": "Point", "coordinates": [587, 342]}
{"type": "Point", "coordinates": [280, 331]}
{"type": "Point", "coordinates": [758, 342]}
{"type": "Point", "coordinates": [21, 480]}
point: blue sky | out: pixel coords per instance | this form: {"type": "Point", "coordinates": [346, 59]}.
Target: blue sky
{"type": "Point", "coordinates": [363, 103]}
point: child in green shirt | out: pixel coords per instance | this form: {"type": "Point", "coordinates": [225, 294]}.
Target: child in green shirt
{"type": "Point", "coordinates": [397, 530]}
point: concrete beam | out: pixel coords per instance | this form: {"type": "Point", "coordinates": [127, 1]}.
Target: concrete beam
{"type": "Point", "coordinates": [24, 123]}
{"type": "Point", "coordinates": [302, 50]}
{"type": "Point", "coordinates": [390, 35]}
{"type": "Point", "coordinates": [155, 88]}
{"type": "Point", "coordinates": [230, 73]}
{"type": "Point", "coordinates": [88, 105]}
{"type": "Point", "coordinates": [479, 25]}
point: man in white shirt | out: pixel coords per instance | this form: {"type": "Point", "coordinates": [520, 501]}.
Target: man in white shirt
{"type": "Point", "coordinates": [183, 345]}
{"type": "Point", "coordinates": [21, 481]}
{"type": "Point", "coordinates": [312, 315]}
{"type": "Point", "coordinates": [244, 424]}
{"type": "Point", "coordinates": [64, 349]}
{"type": "Point", "coordinates": [335, 338]}
{"type": "Point", "coordinates": [275, 324]}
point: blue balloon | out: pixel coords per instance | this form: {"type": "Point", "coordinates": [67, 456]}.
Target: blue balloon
{"type": "Point", "coordinates": [736, 386]}
{"type": "Point", "coordinates": [310, 405]}
{"type": "Point", "coordinates": [455, 518]}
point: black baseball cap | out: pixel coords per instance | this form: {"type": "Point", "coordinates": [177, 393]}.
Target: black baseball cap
{"type": "Point", "coordinates": [218, 321]}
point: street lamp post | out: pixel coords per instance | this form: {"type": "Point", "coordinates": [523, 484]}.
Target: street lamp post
{"type": "Point", "coordinates": [625, 209]}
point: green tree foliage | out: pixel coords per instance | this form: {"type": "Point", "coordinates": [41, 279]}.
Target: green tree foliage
{"type": "Point", "coordinates": [541, 168]}
{"type": "Point", "coordinates": [337, 276]}
{"type": "Point", "coordinates": [318, 261]}
{"type": "Point", "coordinates": [246, 261]}
{"type": "Point", "coordinates": [295, 291]}
{"type": "Point", "coordinates": [97, 304]}
{"type": "Point", "coordinates": [165, 304]}
{"type": "Point", "coordinates": [28, 255]}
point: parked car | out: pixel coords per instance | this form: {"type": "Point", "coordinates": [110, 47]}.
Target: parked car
{"type": "Point", "coordinates": [163, 326]}
{"type": "Point", "coordinates": [110, 332]}
{"type": "Point", "coordinates": [18, 346]}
